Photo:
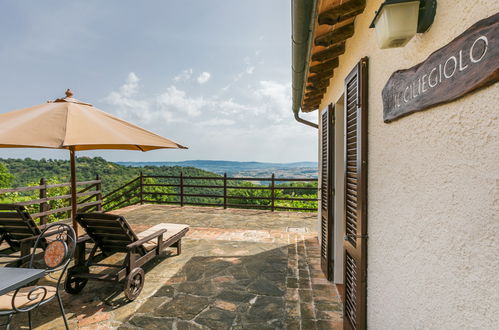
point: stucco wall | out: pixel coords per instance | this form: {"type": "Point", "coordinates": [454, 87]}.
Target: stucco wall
{"type": "Point", "coordinates": [433, 192]}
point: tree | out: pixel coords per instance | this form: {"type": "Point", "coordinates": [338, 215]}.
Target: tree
{"type": "Point", "coordinates": [6, 178]}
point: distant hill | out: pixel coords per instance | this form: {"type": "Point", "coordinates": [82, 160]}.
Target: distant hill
{"type": "Point", "coordinates": [29, 171]}
{"type": "Point", "coordinates": [240, 169]}
{"type": "Point", "coordinates": [221, 164]}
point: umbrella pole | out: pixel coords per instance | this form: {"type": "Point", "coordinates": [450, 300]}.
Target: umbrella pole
{"type": "Point", "coordinates": [74, 202]}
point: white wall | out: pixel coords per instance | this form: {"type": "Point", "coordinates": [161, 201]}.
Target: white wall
{"type": "Point", "coordinates": [433, 199]}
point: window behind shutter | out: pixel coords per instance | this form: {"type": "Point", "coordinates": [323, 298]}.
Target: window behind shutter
{"type": "Point", "coordinates": [327, 156]}
{"type": "Point", "coordinates": [355, 243]}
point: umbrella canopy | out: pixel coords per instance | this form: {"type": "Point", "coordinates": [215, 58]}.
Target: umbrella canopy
{"type": "Point", "coordinates": [71, 124]}
{"type": "Point", "coordinates": [74, 125]}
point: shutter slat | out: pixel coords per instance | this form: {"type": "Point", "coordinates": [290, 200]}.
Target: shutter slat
{"type": "Point", "coordinates": [350, 290]}
{"type": "Point", "coordinates": [352, 210]}
{"type": "Point", "coordinates": [327, 158]}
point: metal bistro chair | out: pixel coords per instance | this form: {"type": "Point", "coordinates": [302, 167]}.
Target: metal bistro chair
{"type": "Point", "coordinates": [60, 245]}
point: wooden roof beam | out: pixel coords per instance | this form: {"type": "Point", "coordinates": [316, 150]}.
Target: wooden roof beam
{"type": "Point", "coordinates": [314, 104]}
{"type": "Point", "coordinates": [310, 108]}
{"type": "Point", "coordinates": [325, 66]}
{"type": "Point", "coordinates": [315, 93]}
{"type": "Point", "coordinates": [342, 12]}
{"type": "Point", "coordinates": [313, 100]}
{"type": "Point", "coordinates": [337, 35]}
{"type": "Point", "coordinates": [329, 53]}
{"type": "Point", "coordinates": [326, 75]}
{"type": "Point", "coordinates": [319, 85]}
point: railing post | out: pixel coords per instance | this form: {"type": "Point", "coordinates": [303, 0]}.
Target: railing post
{"type": "Point", "coordinates": [98, 197]}
{"type": "Point", "coordinates": [44, 206]}
{"type": "Point", "coordinates": [225, 190]}
{"type": "Point", "coordinates": [181, 189]}
{"type": "Point", "coordinates": [272, 193]}
{"type": "Point", "coordinates": [141, 188]}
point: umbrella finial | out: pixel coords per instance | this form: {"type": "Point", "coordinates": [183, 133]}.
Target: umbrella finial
{"type": "Point", "coordinates": [69, 98]}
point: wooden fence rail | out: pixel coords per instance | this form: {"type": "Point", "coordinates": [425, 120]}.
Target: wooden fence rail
{"type": "Point", "coordinates": [92, 192]}
{"type": "Point", "coordinates": [90, 195]}
{"type": "Point", "coordinates": [131, 193]}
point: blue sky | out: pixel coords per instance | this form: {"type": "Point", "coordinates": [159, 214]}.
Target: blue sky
{"type": "Point", "coordinates": [212, 75]}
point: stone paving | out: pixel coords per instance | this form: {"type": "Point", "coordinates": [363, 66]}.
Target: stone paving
{"type": "Point", "coordinates": [239, 269]}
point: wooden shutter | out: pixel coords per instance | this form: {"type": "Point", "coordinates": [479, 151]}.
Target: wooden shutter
{"type": "Point", "coordinates": [355, 243]}
{"type": "Point", "coordinates": [327, 191]}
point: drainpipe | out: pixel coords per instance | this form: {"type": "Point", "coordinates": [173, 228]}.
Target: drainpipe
{"type": "Point", "coordinates": [303, 20]}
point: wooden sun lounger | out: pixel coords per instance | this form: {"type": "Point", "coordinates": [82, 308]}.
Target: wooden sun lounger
{"type": "Point", "coordinates": [19, 231]}
{"type": "Point", "coordinates": [112, 234]}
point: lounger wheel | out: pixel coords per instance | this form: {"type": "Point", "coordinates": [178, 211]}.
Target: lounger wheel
{"type": "Point", "coordinates": [74, 285]}
{"type": "Point", "coordinates": [134, 282]}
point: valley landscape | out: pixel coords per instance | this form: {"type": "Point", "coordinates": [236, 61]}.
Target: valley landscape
{"type": "Point", "coordinates": [203, 180]}
{"type": "Point", "coordinates": [242, 169]}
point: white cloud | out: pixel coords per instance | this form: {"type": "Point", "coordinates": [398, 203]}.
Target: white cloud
{"type": "Point", "coordinates": [131, 85]}
{"type": "Point", "coordinates": [173, 104]}
{"type": "Point", "coordinates": [217, 122]}
{"type": "Point", "coordinates": [125, 101]}
{"type": "Point", "coordinates": [184, 75]}
{"type": "Point", "coordinates": [275, 98]}
{"type": "Point", "coordinates": [261, 116]}
{"type": "Point", "coordinates": [269, 100]}
{"type": "Point", "coordinates": [203, 77]}
{"type": "Point", "coordinates": [229, 107]}
{"type": "Point", "coordinates": [177, 100]}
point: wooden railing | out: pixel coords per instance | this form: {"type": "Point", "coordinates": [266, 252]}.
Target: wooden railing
{"type": "Point", "coordinates": [138, 191]}
{"type": "Point", "coordinates": [92, 193]}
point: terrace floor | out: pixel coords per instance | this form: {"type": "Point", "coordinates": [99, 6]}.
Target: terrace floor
{"type": "Point", "coordinates": [239, 269]}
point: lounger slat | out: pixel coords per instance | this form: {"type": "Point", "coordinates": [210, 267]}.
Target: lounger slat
{"type": "Point", "coordinates": [17, 236]}
{"type": "Point", "coordinates": [94, 219]}
{"type": "Point", "coordinates": [9, 215]}
{"type": "Point", "coordinates": [105, 230]}
{"type": "Point", "coordinates": [114, 235]}
{"type": "Point", "coordinates": [10, 222]}
{"type": "Point", "coordinates": [99, 216]}
{"type": "Point", "coordinates": [16, 229]}
{"type": "Point", "coordinates": [99, 223]}
{"type": "Point", "coordinates": [119, 242]}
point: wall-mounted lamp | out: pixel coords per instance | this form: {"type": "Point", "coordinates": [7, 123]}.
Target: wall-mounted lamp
{"type": "Point", "coordinates": [397, 21]}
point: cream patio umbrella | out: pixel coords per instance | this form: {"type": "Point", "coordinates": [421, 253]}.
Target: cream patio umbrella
{"type": "Point", "coordinates": [74, 125]}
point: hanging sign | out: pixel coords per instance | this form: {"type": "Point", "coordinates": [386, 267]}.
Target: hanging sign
{"type": "Point", "coordinates": [467, 63]}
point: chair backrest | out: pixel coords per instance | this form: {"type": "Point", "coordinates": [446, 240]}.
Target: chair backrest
{"type": "Point", "coordinates": [15, 224]}
{"type": "Point", "coordinates": [59, 241]}
{"type": "Point", "coordinates": [110, 232]}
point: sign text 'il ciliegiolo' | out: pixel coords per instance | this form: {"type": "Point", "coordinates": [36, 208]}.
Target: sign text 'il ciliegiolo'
{"type": "Point", "coordinates": [469, 62]}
